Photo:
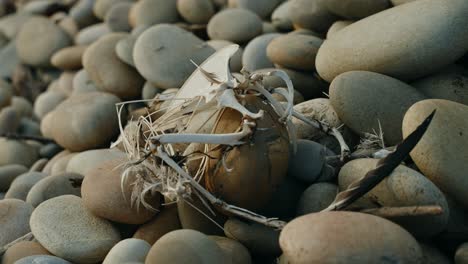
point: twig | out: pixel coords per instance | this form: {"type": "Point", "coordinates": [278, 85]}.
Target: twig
{"type": "Point", "coordinates": [394, 212]}
{"type": "Point", "coordinates": [27, 137]}
{"type": "Point", "coordinates": [28, 237]}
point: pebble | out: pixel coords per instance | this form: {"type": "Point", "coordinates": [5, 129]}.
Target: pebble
{"type": "Point", "coordinates": [65, 82]}
{"type": "Point", "coordinates": [234, 251]}
{"type": "Point", "coordinates": [400, 2]}
{"type": "Point", "coordinates": [103, 196]}
{"type": "Point", "coordinates": [73, 233]}
{"type": "Point", "coordinates": [316, 197]}
{"type": "Point", "coordinates": [263, 8]}
{"type": "Point", "coordinates": [117, 78]}
{"type": "Point", "coordinates": [403, 187]}
{"type": "Point", "coordinates": [311, 14]}
{"type": "Point", "coordinates": [356, 9]}
{"type": "Point", "coordinates": [149, 91]}
{"type": "Point", "coordinates": [162, 48]}
{"type": "Point", "coordinates": [255, 53]}
{"type": "Point", "coordinates": [49, 150]}
{"type": "Point", "coordinates": [337, 26]}
{"type": "Point", "coordinates": [23, 249]}
{"type": "Point", "coordinates": [14, 219]}
{"type": "Point", "coordinates": [194, 216]}
{"type": "Point", "coordinates": [9, 120]}
{"type": "Point", "coordinates": [69, 58]}
{"type": "Point", "coordinates": [117, 17]}
{"type": "Point", "coordinates": [39, 165]}
{"type": "Point", "coordinates": [281, 17]}
{"type": "Point", "coordinates": [62, 153]}
{"type": "Point", "coordinates": [8, 174]}
{"type": "Point", "coordinates": [17, 152]}
{"type": "Point", "coordinates": [124, 49]}
{"type": "Point", "coordinates": [306, 83]}
{"type": "Point", "coordinates": [82, 13]}
{"type": "Point", "coordinates": [294, 51]}
{"type": "Point", "coordinates": [182, 245]}
{"type": "Point", "coordinates": [350, 238]}
{"type": "Point", "coordinates": [248, 25]}
{"type": "Point", "coordinates": [101, 7]}
{"type": "Point", "coordinates": [196, 11]}
{"type": "Point", "coordinates": [22, 106]}
{"type": "Point", "coordinates": [374, 43]}
{"type": "Point", "coordinates": [60, 165]}
{"type": "Point", "coordinates": [363, 100]}
{"type": "Point", "coordinates": [53, 186]}
{"type": "Point", "coordinates": [42, 259]}
{"type": "Point", "coordinates": [83, 162]}
{"type": "Point", "coordinates": [22, 184]}
{"type": "Point", "coordinates": [152, 12]}
{"type": "Point", "coordinates": [9, 58]}
{"type": "Point", "coordinates": [128, 250]}
{"type": "Point", "coordinates": [451, 85]}
{"type": "Point", "coordinates": [47, 102]}
{"type": "Point", "coordinates": [93, 117]}
{"type": "Point", "coordinates": [90, 34]}
{"type": "Point", "coordinates": [259, 239]}
{"type": "Point", "coordinates": [439, 153]}
{"type": "Point", "coordinates": [12, 23]}
{"type": "Point", "coordinates": [82, 83]}
{"type": "Point", "coordinates": [461, 255]}
{"type": "Point", "coordinates": [308, 161]}
{"type": "Point", "coordinates": [6, 93]}
{"type": "Point", "coordinates": [38, 39]}
{"type": "Point", "coordinates": [165, 221]}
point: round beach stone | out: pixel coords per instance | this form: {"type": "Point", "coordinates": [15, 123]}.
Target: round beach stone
{"type": "Point", "coordinates": [103, 196]}
{"type": "Point", "coordinates": [101, 7]}
{"type": "Point", "coordinates": [308, 161]}
{"type": "Point", "coordinates": [281, 17]}
{"type": "Point", "coordinates": [83, 121]}
{"type": "Point", "coordinates": [10, 60]}
{"type": "Point", "coordinates": [60, 165]}
{"type": "Point", "coordinates": [9, 120]}
{"type": "Point", "coordinates": [53, 186]}
{"type": "Point", "coordinates": [38, 40]}
{"type": "Point", "coordinates": [124, 49]}
{"type": "Point", "coordinates": [255, 53]}
{"type": "Point", "coordinates": [400, 2]}
{"type": "Point", "coordinates": [165, 221]}
{"type": "Point", "coordinates": [317, 197]}
{"type": "Point", "coordinates": [182, 245]}
{"type": "Point", "coordinates": [17, 152]}
{"type": "Point", "coordinates": [12, 23]}
{"type": "Point", "coordinates": [82, 83]}
{"type": "Point", "coordinates": [66, 229]}
{"type": "Point", "coordinates": [356, 9]}
{"type": "Point", "coordinates": [259, 239]}
{"type": "Point", "coordinates": [235, 252]}
{"type": "Point", "coordinates": [22, 106]}
{"type": "Point", "coordinates": [6, 93]}
{"type": "Point", "coordinates": [337, 26]}
{"type": "Point", "coordinates": [90, 34]}
{"type": "Point", "coordinates": [23, 249]}
{"type": "Point", "coordinates": [14, 219]}
{"type": "Point", "coordinates": [461, 255]}
{"type": "Point", "coordinates": [196, 11]}
{"type": "Point", "coordinates": [117, 17]}
{"type": "Point", "coordinates": [47, 102]}
{"type": "Point", "coordinates": [193, 216]}
{"type": "Point", "coordinates": [152, 12]}
{"type": "Point", "coordinates": [83, 162]}
{"type": "Point", "coordinates": [117, 77]}
{"type": "Point", "coordinates": [311, 14]}
{"type": "Point", "coordinates": [350, 238]}
{"type": "Point", "coordinates": [451, 84]}
{"type": "Point", "coordinates": [246, 27]}
{"type": "Point", "coordinates": [306, 83]}
{"type": "Point", "coordinates": [235, 64]}
{"type": "Point", "coordinates": [362, 100]}
{"type": "Point", "coordinates": [263, 8]}
{"type": "Point", "coordinates": [65, 82]}
{"type": "Point", "coordinates": [82, 13]}
{"type": "Point", "coordinates": [441, 151]}
{"type": "Point", "coordinates": [294, 51]}
{"type": "Point", "coordinates": [21, 186]}
{"type": "Point", "coordinates": [162, 55]}
{"type": "Point", "coordinates": [315, 109]}
{"type": "Point", "coordinates": [128, 250]}
{"type": "Point", "coordinates": [62, 153]}
{"type": "Point", "coordinates": [8, 173]}
{"type": "Point", "coordinates": [69, 58]}
{"type": "Point", "coordinates": [42, 259]}
{"type": "Point", "coordinates": [403, 187]}
{"type": "Point", "coordinates": [374, 43]}
{"type": "Point", "coordinates": [150, 91]}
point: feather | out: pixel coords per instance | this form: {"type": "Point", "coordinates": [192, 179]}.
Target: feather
{"type": "Point", "coordinates": [384, 168]}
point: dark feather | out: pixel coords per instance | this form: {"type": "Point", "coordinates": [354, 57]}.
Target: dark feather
{"type": "Point", "coordinates": [384, 168]}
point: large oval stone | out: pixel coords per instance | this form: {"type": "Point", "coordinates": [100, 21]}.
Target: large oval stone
{"type": "Point", "coordinates": [14, 219]}
{"type": "Point", "coordinates": [362, 100]}
{"type": "Point", "coordinates": [65, 228]}
{"type": "Point", "coordinates": [347, 237]}
{"type": "Point", "coordinates": [442, 152]}
{"type": "Point", "coordinates": [434, 34]}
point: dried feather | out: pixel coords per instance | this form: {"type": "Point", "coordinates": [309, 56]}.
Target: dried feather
{"type": "Point", "coordinates": [384, 168]}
